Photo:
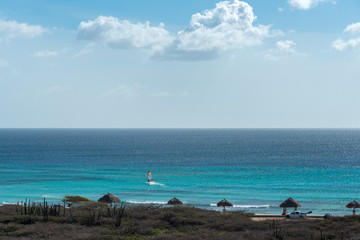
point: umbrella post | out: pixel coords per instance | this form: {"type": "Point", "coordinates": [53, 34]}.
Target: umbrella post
{"type": "Point", "coordinates": [289, 203]}
{"type": "Point", "coordinates": [224, 210]}
{"type": "Point", "coordinates": [354, 212]}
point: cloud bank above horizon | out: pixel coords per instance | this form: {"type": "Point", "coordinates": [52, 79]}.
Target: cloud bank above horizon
{"type": "Point", "coordinates": [230, 25]}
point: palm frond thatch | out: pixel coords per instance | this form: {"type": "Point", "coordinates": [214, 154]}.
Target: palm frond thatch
{"type": "Point", "coordinates": [175, 201]}
{"type": "Point", "coordinates": [109, 198]}
{"type": "Point", "coordinates": [290, 202]}
{"type": "Point", "coordinates": [224, 203]}
{"type": "Point", "coordinates": [353, 204]}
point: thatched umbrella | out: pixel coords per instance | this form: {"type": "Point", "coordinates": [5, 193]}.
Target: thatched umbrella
{"type": "Point", "coordinates": [354, 204]}
{"type": "Point", "coordinates": [109, 198]}
{"type": "Point", "coordinates": [174, 201]}
{"type": "Point", "coordinates": [224, 203]}
{"type": "Point", "coordinates": [290, 202]}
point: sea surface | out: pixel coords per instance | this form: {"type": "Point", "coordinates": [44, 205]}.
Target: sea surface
{"type": "Point", "coordinates": [255, 169]}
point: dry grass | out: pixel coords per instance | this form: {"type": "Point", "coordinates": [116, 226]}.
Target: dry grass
{"type": "Point", "coordinates": [96, 221]}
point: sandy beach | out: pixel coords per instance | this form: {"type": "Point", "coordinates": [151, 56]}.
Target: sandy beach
{"type": "Point", "coordinates": [265, 217]}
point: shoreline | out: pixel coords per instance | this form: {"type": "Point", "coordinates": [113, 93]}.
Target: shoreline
{"type": "Point", "coordinates": [211, 207]}
{"type": "Point", "coordinates": [255, 216]}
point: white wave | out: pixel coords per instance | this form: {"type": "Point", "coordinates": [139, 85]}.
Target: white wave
{"type": "Point", "coordinates": [6, 203]}
{"type": "Point", "coordinates": [251, 206]}
{"type": "Point", "coordinates": [244, 206]}
{"type": "Point", "coordinates": [156, 183]}
{"type": "Point", "coordinates": [147, 202]}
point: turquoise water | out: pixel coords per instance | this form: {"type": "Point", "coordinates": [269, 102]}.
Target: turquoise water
{"type": "Point", "coordinates": [255, 169]}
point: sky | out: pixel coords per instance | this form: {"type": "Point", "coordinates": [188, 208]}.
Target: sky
{"type": "Point", "coordinates": [179, 64]}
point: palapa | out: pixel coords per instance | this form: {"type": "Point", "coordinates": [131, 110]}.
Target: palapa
{"type": "Point", "coordinates": [224, 203]}
{"type": "Point", "coordinates": [290, 202]}
{"type": "Point", "coordinates": [354, 204]}
{"type": "Point", "coordinates": [109, 198]}
{"type": "Point", "coordinates": [174, 201]}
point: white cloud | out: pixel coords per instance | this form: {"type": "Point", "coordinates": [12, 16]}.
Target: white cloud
{"type": "Point", "coordinates": [286, 46]}
{"type": "Point", "coordinates": [228, 26]}
{"type": "Point", "coordinates": [3, 63]}
{"type": "Point", "coordinates": [124, 34]}
{"type": "Point", "coordinates": [304, 4]}
{"type": "Point", "coordinates": [45, 53]}
{"type": "Point", "coordinates": [353, 28]}
{"type": "Point", "coordinates": [351, 43]}
{"type": "Point", "coordinates": [341, 45]}
{"type": "Point", "coordinates": [282, 49]}
{"type": "Point", "coordinates": [48, 53]}
{"type": "Point", "coordinates": [13, 29]}
{"type": "Point", "coordinates": [88, 49]}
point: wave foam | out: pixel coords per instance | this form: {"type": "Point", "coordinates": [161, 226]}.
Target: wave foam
{"type": "Point", "coordinates": [6, 203]}
{"type": "Point", "coordinates": [156, 183]}
{"type": "Point", "coordinates": [245, 206]}
{"type": "Point", "coordinates": [147, 202]}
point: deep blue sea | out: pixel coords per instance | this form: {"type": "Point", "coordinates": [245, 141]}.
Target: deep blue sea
{"type": "Point", "coordinates": [255, 169]}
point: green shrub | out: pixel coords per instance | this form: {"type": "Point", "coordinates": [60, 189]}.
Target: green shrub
{"type": "Point", "coordinates": [70, 200]}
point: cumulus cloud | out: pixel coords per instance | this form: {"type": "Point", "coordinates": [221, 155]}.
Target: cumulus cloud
{"type": "Point", "coordinates": [351, 43]}
{"type": "Point", "coordinates": [286, 46]}
{"type": "Point", "coordinates": [228, 26]}
{"type": "Point", "coordinates": [304, 4]}
{"type": "Point", "coordinates": [282, 48]}
{"type": "Point", "coordinates": [353, 28]}
{"type": "Point", "coordinates": [124, 34]}
{"type": "Point", "coordinates": [341, 45]}
{"type": "Point", "coordinates": [13, 29]}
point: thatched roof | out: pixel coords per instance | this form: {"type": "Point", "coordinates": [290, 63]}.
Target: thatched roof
{"type": "Point", "coordinates": [290, 202]}
{"type": "Point", "coordinates": [175, 201]}
{"type": "Point", "coordinates": [224, 203]}
{"type": "Point", "coordinates": [353, 204]}
{"type": "Point", "coordinates": [109, 198]}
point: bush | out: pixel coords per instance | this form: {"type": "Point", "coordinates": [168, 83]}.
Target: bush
{"type": "Point", "coordinates": [70, 200]}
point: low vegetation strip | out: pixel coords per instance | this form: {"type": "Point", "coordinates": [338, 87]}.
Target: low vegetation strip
{"type": "Point", "coordinates": [90, 220]}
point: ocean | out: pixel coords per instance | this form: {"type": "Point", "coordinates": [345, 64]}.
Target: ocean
{"type": "Point", "coordinates": [255, 169]}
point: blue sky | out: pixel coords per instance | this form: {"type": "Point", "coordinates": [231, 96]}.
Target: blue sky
{"type": "Point", "coordinates": [180, 63]}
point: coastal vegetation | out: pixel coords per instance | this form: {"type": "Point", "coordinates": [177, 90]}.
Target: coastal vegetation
{"type": "Point", "coordinates": [91, 220]}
